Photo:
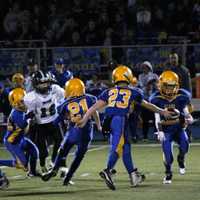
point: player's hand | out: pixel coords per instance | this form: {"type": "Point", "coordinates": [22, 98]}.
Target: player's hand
{"type": "Point", "coordinates": [30, 115]}
{"type": "Point", "coordinates": [160, 136]}
{"type": "Point", "coordinates": [187, 121]}
{"type": "Point", "coordinates": [10, 127]}
{"type": "Point", "coordinates": [167, 114]}
{"type": "Point", "coordinates": [99, 128]}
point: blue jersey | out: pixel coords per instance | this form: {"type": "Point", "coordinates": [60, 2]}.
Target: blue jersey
{"type": "Point", "coordinates": [75, 108]}
{"type": "Point", "coordinates": [182, 99]}
{"type": "Point", "coordinates": [119, 99]}
{"type": "Point", "coordinates": [19, 122]}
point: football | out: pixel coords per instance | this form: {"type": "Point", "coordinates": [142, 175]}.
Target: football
{"type": "Point", "coordinates": [175, 114]}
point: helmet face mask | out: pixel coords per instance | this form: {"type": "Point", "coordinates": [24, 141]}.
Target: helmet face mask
{"type": "Point", "coordinates": [41, 82]}
{"type": "Point", "coordinates": [43, 88]}
{"type": "Point", "coordinates": [21, 106]}
{"type": "Point", "coordinates": [169, 84]}
{"type": "Point", "coordinates": [169, 90]}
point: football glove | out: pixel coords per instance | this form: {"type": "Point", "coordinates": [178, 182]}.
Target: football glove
{"type": "Point", "coordinates": [30, 115]}
{"type": "Point", "coordinates": [160, 136]}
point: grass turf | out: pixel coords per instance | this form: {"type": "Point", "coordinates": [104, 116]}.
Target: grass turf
{"type": "Point", "coordinates": [88, 184]}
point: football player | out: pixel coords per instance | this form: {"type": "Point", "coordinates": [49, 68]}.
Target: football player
{"type": "Point", "coordinates": [76, 104]}
{"type": "Point", "coordinates": [171, 97]}
{"type": "Point", "coordinates": [42, 103]}
{"type": "Point", "coordinates": [117, 101]}
{"type": "Point", "coordinates": [21, 148]}
{"type": "Point", "coordinates": [4, 183]}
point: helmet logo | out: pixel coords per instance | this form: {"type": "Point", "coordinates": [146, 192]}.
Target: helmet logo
{"type": "Point", "coordinates": [126, 76]}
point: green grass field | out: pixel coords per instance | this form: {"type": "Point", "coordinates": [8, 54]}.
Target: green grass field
{"type": "Point", "coordinates": [88, 184]}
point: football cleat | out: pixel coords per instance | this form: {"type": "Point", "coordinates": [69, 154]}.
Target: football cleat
{"type": "Point", "coordinates": [181, 163]}
{"type": "Point", "coordinates": [44, 169]}
{"type": "Point", "coordinates": [4, 183]}
{"type": "Point", "coordinates": [136, 178]}
{"type": "Point", "coordinates": [32, 175]}
{"type": "Point", "coordinates": [113, 171]}
{"type": "Point", "coordinates": [67, 181]}
{"type": "Point", "coordinates": [63, 171]}
{"type": "Point", "coordinates": [167, 179]}
{"type": "Point", "coordinates": [106, 176]}
{"type": "Point", "coordinates": [47, 176]}
{"type": "Point", "coordinates": [182, 171]}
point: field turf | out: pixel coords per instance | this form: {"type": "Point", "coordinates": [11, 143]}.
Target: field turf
{"type": "Point", "coordinates": [89, 186]}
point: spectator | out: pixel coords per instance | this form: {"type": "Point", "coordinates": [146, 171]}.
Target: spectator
{"type": "Point", "coordinates": [103, 21]}
{"type": "Point", "coordinates": [147, 81]}
{"type": "Point", "coordinates": [108, 37]}
{"type": "Point", "coordinates": [11, 22]}
{"type": "Point", "coordinates": [183, 73]}
{"type": "Point", "coordinates": [31, 67]}
{"type": "Point", "coordinates": [63, 35]}
{"type": "Point", "coordinates": [76, 39]}
{"type": "Point", "coordinates": [4, 103]}
{"type": "Point", "coordinates": [119, 27]}
{"type": "Point", "coordinates": [90, 32]}
{"type": "Point", "coordinates": [38, 22]}
{"type": "Point", "coordinates": [61, 74]}
{"type": "Point", "coordinates": [143, 17]}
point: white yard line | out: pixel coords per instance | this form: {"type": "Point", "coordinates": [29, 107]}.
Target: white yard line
{"type": "Point", "coordinates": [16, 177]}
{"type": "Point", "coordinates": [84, 174]}
{"type": "Point", "coordinates": [99, 147]}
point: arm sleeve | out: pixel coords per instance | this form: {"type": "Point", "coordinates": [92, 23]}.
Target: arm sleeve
{"type": "Point", "coordinates": [29, 102]}
{"type": "Point", "coordinates": [93, 100]}
{"type": "Point", "coordinates": [60, 94]}
{"type": "Point", "coordinates": [104, 96]}
{"type": "Point", "coordinates": [137, 95]}
{"type": "Point", "coordinates": [157, 121]}
{"type": "Point", "coordinates": [20, 121]}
